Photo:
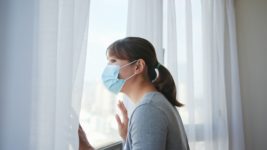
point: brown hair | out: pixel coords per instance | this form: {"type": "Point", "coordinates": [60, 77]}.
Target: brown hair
{"type": "Point", "coordinates": [133, 48]}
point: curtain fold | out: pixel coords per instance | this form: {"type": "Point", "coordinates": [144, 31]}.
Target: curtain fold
{"type": "Point", "coordinates": [201, 53]}
{"type": "Point", "coordinates": [213, 17]}
{"type": "Point", "coordinates": [170, 38]}
{"type": "Point", "coordinates": [49, 71]}
{"type": "Point", "coordinates": [234, 106]}
{"type": "Point", "coordinates": [145, 20]}
{"type": "Point", "coordinates": [61, 51]}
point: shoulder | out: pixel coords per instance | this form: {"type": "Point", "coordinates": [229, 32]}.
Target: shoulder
{"type": "Point", "coordinates": [148, 128]}
{"type": "Point", "coordinates": [154, 107]}
{"type": "Point", "coordinates": [156, 103]}
{"type": "Point", "coordinates": [148, 114]}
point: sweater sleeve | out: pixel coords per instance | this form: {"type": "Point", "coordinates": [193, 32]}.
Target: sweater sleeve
{"type": "Point", "coordinates": [148, 128]}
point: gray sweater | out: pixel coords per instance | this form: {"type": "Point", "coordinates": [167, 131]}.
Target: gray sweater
{"type": "Point", "coordinates": [155, 125]}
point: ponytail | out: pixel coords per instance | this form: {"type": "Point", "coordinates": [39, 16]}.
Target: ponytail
{"type": "Point", "coordinates": [165, 84]}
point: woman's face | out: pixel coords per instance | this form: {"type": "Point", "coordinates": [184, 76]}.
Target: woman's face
{"type": "Point", "coordinates": [126, 71]}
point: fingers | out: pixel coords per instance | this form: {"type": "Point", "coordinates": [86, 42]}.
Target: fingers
{"type": "Point", "coordinates": [124, 112]}
{"type": "Point", "coordinates": [122, 123]}
{"type": "Point", "coordinates": [118, 119]}
{"type": "Point", "coordinates": [80, 128]}
{"type": "Point", "coordinates": [122, 107]}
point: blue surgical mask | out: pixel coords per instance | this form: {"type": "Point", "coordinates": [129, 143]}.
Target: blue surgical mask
{"type": "Point", "coordinates": [110, 77]}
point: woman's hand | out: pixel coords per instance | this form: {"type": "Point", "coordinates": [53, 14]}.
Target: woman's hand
{"type": "Point", "coordinates": [122, 124]}
{"type": "Point", "coordinates": [83, 142]}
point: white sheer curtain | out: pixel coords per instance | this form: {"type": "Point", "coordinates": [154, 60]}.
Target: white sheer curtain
{"type": "Point", "coordinates": [145, 20]}
{"type": "Point", "coordinates": [201, 53]}
{"type": "Point", "coordinates": [43, 73]}
{"type": "Point", "coordinates": [141, 23]}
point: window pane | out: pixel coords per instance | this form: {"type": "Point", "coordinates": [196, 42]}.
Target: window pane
{"type": "Point", "coordinates": [107, 23]}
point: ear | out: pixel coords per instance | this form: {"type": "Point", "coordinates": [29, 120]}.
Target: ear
{"type": "Point", "coordinates": [140, 66]}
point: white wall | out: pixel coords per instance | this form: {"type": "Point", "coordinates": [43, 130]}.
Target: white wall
{"type": "Point", "coordinates": [252, 51]}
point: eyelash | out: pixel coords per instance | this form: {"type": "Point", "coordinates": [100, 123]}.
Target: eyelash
{"type": "Point", "coordinates": [113, 60]}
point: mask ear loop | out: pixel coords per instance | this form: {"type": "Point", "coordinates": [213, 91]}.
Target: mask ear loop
{"type": "Point", "coordinates": [130, 77]}
{"type": "Point", "coordinates": [127, 65]}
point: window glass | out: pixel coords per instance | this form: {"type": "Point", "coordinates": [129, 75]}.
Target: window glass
{"type": "Point", "coordinates": [107, 23]}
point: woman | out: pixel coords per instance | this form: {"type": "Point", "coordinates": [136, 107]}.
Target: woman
{"type": "Point", "coordinates": [155, 123]}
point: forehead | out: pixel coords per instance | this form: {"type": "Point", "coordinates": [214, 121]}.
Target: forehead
{"type": "Point", "coordinates": [113, 59]}
{"type": "Point", "coordinates": [110, 55]}
{"type": "Point", "coordinates": [114, 56]}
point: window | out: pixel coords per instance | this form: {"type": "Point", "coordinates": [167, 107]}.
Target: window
{"type": "Point", "coordinates": [107, 23]}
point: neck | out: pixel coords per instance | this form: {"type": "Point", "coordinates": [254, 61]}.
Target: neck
{"type": "Point", "coordinates": [138, 90]}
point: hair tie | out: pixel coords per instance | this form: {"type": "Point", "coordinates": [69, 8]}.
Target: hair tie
{"type": "Point", "coordinates": [158, 65]}
{"type": "Point", "coordinates": [157, 72]}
